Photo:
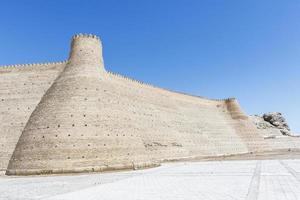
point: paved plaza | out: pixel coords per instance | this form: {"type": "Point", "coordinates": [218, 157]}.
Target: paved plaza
{"type": "Point", "coordinates": [211, 180]}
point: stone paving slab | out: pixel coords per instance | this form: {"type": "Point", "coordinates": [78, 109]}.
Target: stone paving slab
{"type": "Point", "coordinates": [212, 180]}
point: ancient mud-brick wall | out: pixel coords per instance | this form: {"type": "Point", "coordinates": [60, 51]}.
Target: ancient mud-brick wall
{"type": "Point", "coordinates": [92, 120]}
{"type": "Point", "coordinates": [21, 88]}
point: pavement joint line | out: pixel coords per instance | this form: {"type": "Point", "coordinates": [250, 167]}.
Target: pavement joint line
{"type": "Point", "coordinates": [290, 170]}
{"type": "Point", "coordinates": [255, 183]}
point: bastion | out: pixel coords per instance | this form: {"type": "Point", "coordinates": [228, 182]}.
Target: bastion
{"type": "Point", "coordinates": [74, 116]}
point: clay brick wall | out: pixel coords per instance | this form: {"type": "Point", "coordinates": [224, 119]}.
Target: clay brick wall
{"type": "Point", "coordinates": [21, 88]}
{"type": "Point", "coordinates": [87, 119]}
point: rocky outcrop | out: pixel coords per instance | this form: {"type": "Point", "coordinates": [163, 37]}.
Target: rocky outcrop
{"type": "Point", "coordinates": [272, 124]}
{"type": "Point", "coordinates": [277, 120]}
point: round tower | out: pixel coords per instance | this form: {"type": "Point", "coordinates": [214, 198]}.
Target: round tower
{"type": "Point", "coordinates": [85, 57]}
{"type": "Point", "coordinates": [68, 129]}
{"type": "Point", "coordinates": [234, 109]}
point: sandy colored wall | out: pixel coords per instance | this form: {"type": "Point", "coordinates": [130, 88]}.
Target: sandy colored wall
{"type": "Point", "coordinates": [21, 88]}
{"type": "Point", "coordinates": [93, 120]}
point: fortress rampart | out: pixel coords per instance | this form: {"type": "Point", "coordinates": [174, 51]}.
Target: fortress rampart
{"type": "Point", "coordinates": [32, 66]}
{"type": "Point", "coordinates": [73, 116]}
{"type": "Point", "coordinates": [85, 56]}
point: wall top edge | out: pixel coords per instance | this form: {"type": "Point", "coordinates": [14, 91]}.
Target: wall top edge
{"type": "Point", "coordinates": [21, 66]}
{"type": "Point", "coordinates": [150, 85]}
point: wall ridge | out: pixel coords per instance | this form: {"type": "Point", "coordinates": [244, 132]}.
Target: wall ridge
{"type": "Point", "coordinates": [23, 66]}
{"type": "Point", "coordinates": [165, 89]}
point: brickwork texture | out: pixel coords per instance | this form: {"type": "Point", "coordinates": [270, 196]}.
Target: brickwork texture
{"type": "Point", "coordinates": [74, 116]}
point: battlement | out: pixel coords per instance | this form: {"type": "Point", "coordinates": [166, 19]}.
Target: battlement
{"type": "Point", "coordinates": [30, 66]}
{"type": "Point", "coordinates": [85, 35]}
{"type": "Point", "coordinates": [144, 84]}
{"type": "Point", "coordinates": [85, 58]}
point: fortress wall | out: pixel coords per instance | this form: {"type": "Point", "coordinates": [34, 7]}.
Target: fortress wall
{"type": "Point", "coordinates": [21, 88]}
{"type": "Point", "coordinates": [70, 130]}
{"type": "Point", "coordinates": [231, 113]}
{"type": "Point", "coordinates": [245, 128]}
{"type": "Point", "coordinates": [116, 123]}
{"type": "Point", "coordinates": [286, 143]}
{"type": "Point", "coordinates": [179, 121]}
{"type": "Point", "coordinates": [253, 137]}
{"type": "Point", "coordinates": [123, 127]}
{"type": "Point", "coordinates": [218, 130]}
{"type": "Point", "coordinates": [92, 120]}
{"type": "Point", "coordinates": [74, 143]}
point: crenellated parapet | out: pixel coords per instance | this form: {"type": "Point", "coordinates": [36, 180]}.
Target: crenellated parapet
{"type": "Point", "coordinates": [84, 35]}
{"type": "Point", "coordinates": [21, 67]}
{"type": "Point", "coordinates": [113, 74]}
{"type": "Point", "coordinates": [143, 85]}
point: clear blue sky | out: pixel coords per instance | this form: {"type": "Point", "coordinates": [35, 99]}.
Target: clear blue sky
{"type": "Point", "coordinates": [216, 48]}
